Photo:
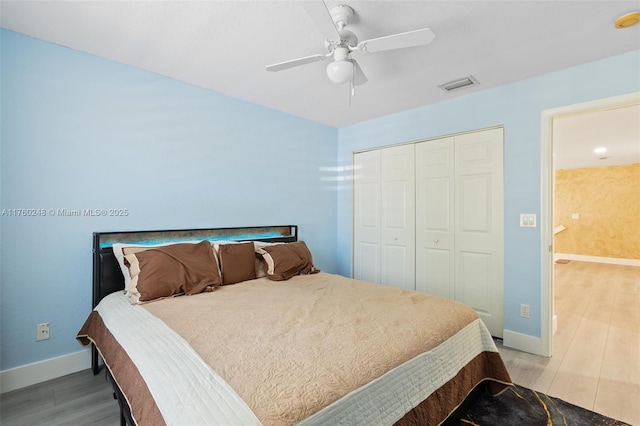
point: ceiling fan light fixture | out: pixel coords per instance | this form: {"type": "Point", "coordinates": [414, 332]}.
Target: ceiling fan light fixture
{"type": "Point", "coordinates": [340, 72]}
{"type": "Point", "coordinates": [458, 84]}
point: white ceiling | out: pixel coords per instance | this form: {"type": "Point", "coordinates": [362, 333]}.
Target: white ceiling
{"type": "Point", "coordinates": [225, 45]}
{"type": "Point", "coordinates": [576, 137]}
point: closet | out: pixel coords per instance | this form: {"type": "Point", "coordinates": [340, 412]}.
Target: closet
{"type": "Point", "coordinates": [384, 225]}
{"type": "Point", "coordinates": [428, 216]}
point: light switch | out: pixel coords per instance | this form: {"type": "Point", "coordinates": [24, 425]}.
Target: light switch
{"type": "Point", "coordinates": [527, 220]}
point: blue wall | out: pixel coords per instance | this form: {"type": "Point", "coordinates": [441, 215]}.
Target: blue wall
{"type": "Point", "coordinates": [80, 132]}
{"type": "Point", "coordinates": [518, 108]}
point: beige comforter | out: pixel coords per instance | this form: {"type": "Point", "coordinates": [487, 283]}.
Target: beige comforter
{"type": "Point", "coordinates": [346, 334]}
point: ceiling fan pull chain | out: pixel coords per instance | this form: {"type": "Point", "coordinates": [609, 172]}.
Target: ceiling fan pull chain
{"type": "Point", "coordinates": [353, 86]}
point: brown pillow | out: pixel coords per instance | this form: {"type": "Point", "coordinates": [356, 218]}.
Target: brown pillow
{"type": "Point", "coordinates": [283, 261]}
{"type": "Point", "coordinates": [166, 271]}
{"type": "Point", "coordinates": [237, 262]}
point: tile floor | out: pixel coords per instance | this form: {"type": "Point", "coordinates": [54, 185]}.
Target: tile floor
{"type": "Point", "coordinates": [596, 348]}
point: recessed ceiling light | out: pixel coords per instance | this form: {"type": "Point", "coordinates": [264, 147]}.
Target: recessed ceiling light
{"type": "Point", "coordinates": [600, 150]}
{"type": "Point", "coordinates": [628, 20]}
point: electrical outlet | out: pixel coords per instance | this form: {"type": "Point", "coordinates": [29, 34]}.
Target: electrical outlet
{"type": "Point", "coordinates": [42, 331]}
{"type": "Point", "coordinates": [524, 311]}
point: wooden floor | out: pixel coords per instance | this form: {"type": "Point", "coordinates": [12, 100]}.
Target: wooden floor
{"type": "Point", "coordinates": [595, 363]}
{"type": "Point", "coordinates": [77, 399]}
{"type": "Point", "coordinates": [596, 348]}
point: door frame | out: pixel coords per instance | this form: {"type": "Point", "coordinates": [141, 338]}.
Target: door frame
{"type": "Point", "coordinates": [547, 178]}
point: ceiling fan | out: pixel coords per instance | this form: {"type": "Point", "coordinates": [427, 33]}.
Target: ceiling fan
{"type": "Point", "coordinates": [341, 43]}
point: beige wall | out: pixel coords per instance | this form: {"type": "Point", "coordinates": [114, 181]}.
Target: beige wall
{"type": "Point", "coordinates": [608, 202]}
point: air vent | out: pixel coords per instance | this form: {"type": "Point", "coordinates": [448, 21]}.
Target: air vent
{"type": "Point", "coordinates": [458, 84]}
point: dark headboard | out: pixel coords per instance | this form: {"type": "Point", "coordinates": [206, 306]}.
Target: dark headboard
{"type": "Point", "coordinates": [107, 276]}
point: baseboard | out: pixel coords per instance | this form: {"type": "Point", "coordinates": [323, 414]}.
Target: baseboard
{"type": "Point", "coordinates": [522, 342]}
{"type": "Point", "coordinates": [597, 259]}
{"type": "Point", "coordinates": [41, 371]}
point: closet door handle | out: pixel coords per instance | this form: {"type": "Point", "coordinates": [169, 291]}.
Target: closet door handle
{"type": "Point", "coordinates": [436, 241]}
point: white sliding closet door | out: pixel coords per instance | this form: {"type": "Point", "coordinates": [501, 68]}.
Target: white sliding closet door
{"type": "Point", "coordinates": [384, 216]}
{"type": "Point", "coordinates": [435, 257]}
{"type": "Point", "coordinates": [398, 217]}
{"type": "Point", "coordinates": [429, 216]}
{"type": "Point", "coordinates": [479, 222]}
{"type": "Point", "coordinates": [459, 222]}
{"type": "Point", "coordinates": [366, 220]}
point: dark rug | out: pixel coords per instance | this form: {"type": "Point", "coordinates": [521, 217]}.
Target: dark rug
{"type": "Point", "coordinates": [521, 406]}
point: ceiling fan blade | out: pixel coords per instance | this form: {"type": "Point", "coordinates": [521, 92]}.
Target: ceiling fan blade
{"type": "Point", "coordinates": [358, 78]}
{"type": "Point", "coordinates": [397, 41]}
{"type": "Point", "coordinates": [296, 62]}
{"type": "Point", "coordinates": [320, 15]}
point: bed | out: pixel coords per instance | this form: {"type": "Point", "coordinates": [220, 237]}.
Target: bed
{"type": "Point", "coordinates": [280, 344]}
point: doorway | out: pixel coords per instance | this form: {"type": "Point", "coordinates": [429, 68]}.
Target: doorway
{"type": "Point", "coordinates": [547, 199]}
